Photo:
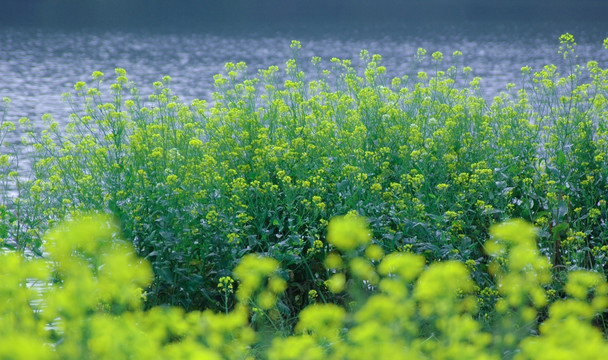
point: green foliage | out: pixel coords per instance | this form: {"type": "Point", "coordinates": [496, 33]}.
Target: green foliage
{"type": "Point", "coordinates": [85, 301]}
{"type": "Point", "coordinates": [263, 166]}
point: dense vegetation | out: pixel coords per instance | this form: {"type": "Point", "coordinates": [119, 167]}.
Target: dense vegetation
{"type": "Point", "coordinates": [88, 305]}
{"type": "Point", "coordinates": [426, 161]}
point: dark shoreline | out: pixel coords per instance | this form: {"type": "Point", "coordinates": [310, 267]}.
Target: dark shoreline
{"type": "Point", "coordinates": [202, 15]}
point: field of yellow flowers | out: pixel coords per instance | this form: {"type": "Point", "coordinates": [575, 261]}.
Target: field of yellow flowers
{"type": "Point", "coordinates": [340, 214]}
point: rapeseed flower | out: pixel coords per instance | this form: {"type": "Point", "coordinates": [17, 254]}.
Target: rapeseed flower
{"type": "Point", "coordinates": [348, 232]}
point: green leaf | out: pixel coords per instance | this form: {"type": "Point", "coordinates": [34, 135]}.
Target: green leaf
{"type": "Point", "coordinates": [561, 159]}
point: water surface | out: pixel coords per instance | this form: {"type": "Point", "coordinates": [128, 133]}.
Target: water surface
{"type": "Point", "coordinates": [38, 65]}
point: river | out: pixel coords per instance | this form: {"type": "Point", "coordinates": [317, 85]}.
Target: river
{"type": "Point", "coordinates": [38, 65]}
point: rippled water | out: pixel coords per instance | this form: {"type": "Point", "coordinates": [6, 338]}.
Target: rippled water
{"type": "Point", "coordinates": [37, 66]}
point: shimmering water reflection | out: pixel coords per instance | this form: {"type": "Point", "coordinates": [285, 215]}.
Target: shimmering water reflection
{"type": "Point", "coordinates": [37, 66]}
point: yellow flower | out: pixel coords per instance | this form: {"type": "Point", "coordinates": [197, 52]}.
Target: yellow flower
{"type": "Point", "coordinates": [406, 265]}
{"type": "Point", "coordinates": [374, 252]}
{"type": "Point", "coordinates": [442, 186]}
{"type": "Point", "coordinates": [322, 320]}
{"type": "Point", "coordinates": [348, 232]}
{"type": "Point", "coordinates": [336, 283]}
{"type": "Point", "coordinates": [333, 261]}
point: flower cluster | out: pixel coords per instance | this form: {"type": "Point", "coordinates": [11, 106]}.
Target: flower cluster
{"type": "Point", "coordinates": [80, 303]}
{"type": "Point", "coordinates": [421, 165]}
